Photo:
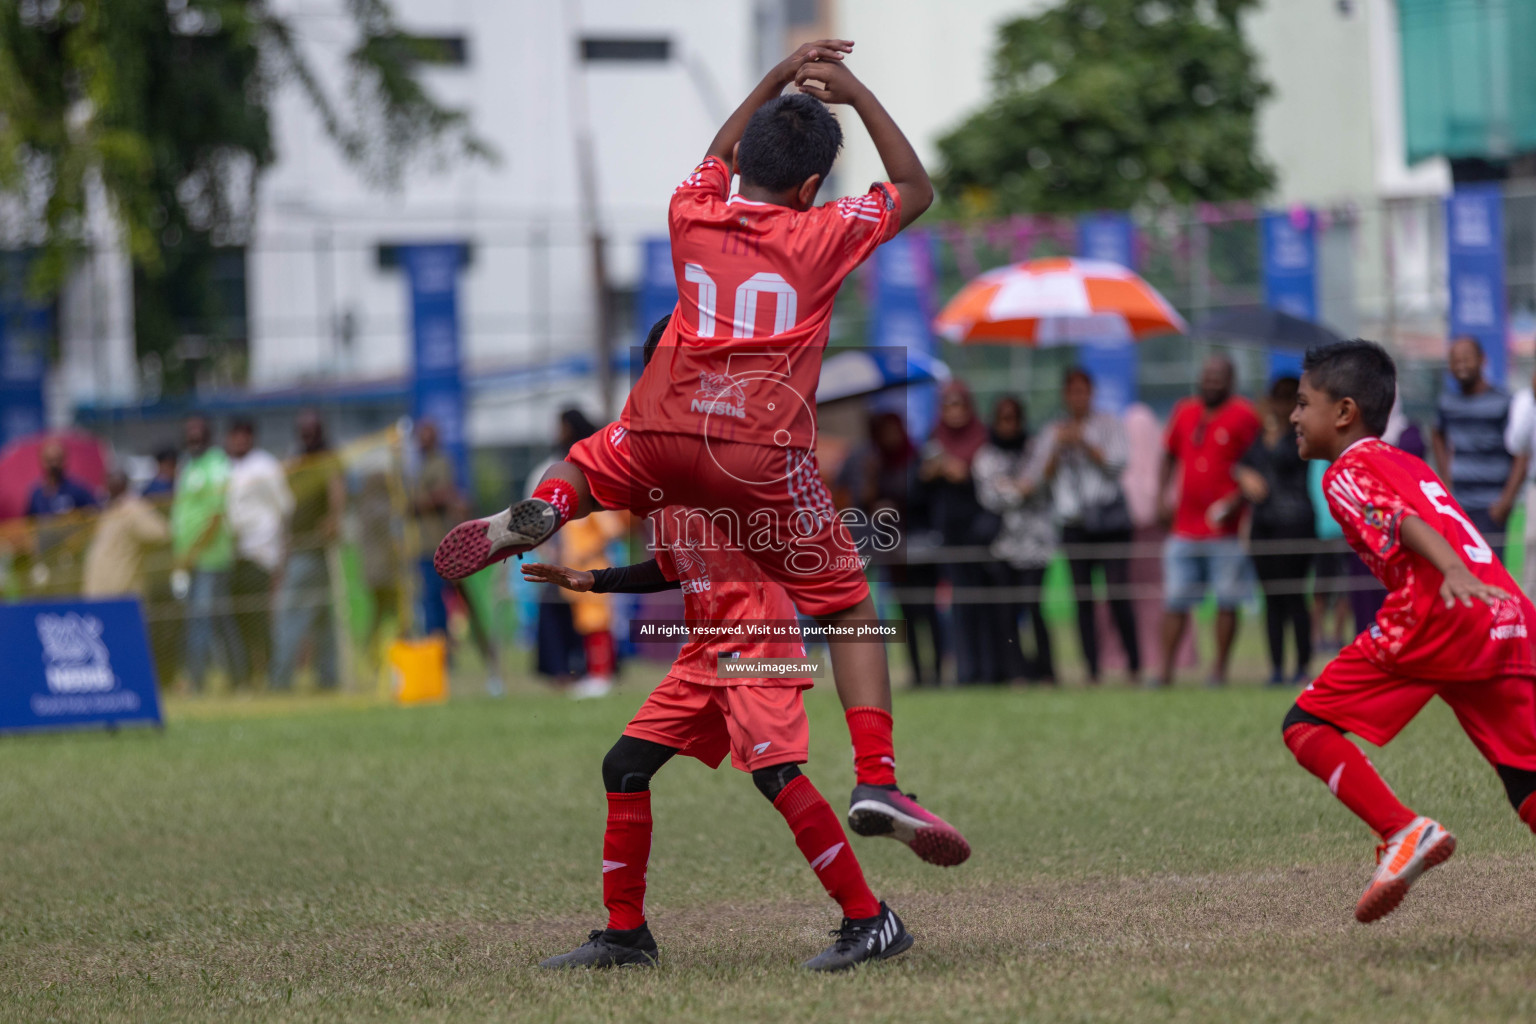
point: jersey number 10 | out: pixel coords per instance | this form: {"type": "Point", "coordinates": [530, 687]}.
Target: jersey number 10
{"type": "Point", "coordinates": [746, 301]}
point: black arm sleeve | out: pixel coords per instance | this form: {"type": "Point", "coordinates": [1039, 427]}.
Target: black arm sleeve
{"type": "Point", "coordinates": [641, 578]}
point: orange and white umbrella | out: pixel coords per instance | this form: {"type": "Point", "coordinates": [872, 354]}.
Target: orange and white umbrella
{"type": "Point", "coordinates": [1057, 301]}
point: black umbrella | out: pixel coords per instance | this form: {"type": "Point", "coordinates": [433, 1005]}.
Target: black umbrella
{"type": "Point", "coordinates": [1260, 325]}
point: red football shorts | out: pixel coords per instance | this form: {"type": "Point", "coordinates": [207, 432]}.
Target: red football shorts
{"type": "Point", "coordinates": [1498, 715]}
{"type": "Point", "coordinates": [759, 726]}
{"type": "Point", "coordinates": [782, 514]}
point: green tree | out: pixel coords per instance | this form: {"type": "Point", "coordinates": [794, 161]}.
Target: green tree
{"type": "Point", "coordinates": [1111, 104]}
{"type": "Point", "coordinates": [161, 108]}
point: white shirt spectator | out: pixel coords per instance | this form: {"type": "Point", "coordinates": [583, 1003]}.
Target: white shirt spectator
{"type": "Point", "coordinates": [1520, 428]}
{"type": "Point", "coordinates": [257, 505]}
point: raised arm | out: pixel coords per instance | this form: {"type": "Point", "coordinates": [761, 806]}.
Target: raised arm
{"type": "Point", "coordinates": [1459, 584]}
{"type": "Point", "coordinates": [834, 83]}
{"type": "Point", "coordinates": [773, 83]}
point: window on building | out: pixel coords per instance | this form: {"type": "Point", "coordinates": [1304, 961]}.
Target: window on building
{"type": "Point", "coordinates": [627, 49]}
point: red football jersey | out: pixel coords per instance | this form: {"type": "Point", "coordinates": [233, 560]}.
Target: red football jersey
{"type": "Point", "coordinates": [742, 356]}
{"type": "Point", "coordinates": [1371, 488]}
{"type": "Point", "coordinates": [721, 584]}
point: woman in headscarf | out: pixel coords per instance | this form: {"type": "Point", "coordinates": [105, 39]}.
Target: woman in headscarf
{"type": "Point", "coordinates": [880, 479]}
{"type": "Point", "coordinates": [958, 517]}
{"type": "Point", "coordinates": [1024, 546]}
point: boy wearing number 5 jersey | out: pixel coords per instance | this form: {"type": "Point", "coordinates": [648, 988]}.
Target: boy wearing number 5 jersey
{"type": "Point", "coordinates": [1453, 625]}
{"type": "Point", "coordinates": [723, 418]}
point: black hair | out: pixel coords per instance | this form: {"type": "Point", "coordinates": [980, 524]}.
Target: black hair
{"type": "Point", "coordinates": [653, 339]}
{"type": "Point", "coordinates": [166, 454]}
{"type": "Point", "coordinates": [1076, 373]}
{"type": "Point", "coordinates": [577, 423]}
{"type": "Point", "coordinates": [1358, 370]}
{"type": "Point", "coordinates": [1283, 389]}
{"type": "Point", "coordinates": [242, 425]}
{"type": "Point", "coordinates": [786, 141]}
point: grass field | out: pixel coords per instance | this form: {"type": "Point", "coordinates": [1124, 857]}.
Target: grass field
{"type": "Point", "coordinates": [1139, 856]}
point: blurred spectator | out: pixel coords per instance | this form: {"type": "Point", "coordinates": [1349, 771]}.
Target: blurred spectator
{"type": "Point", "coordinates": [203, 546]}
{"type": "Point", "coordinates": [1205, 438]}
{"type": "Point", "coordinates": [1079, 459]}
{"type": "Point", "coordinates": [56, 493]}
{"type": "Point", "coordinates": [304, 597]}
{"type": "Point", "coordinates": [1332, 568]}
{"type": "Point", "coordinates": [584, 544]}
{"type": "Point", "coordinates": [163, 484]}
{"type": "Point", "coordinates": [1468, 442]}
{"type": "Point", "coordinates": [438, 505]}
{"type": "Point", "coordinates": [124, 530]}
{"type": "Point", "coordinates": [257, 502]}
{"type": "Point", "coordinates": [1024, 547]}
{"type": "Point", "coordinates": [961, 521]}
{"type": "Point", "coordinates": [1520, 441]}
{"type": "Point", "coordinates": [559, 650]}
{"type": "Point", "coordinates": [164, 621]}
{"type": "Point", "coordinates": [881, 479]}
{"type": "Point", "coordinates": [1273, 478]}
{"type": "Point", "coordinates": [379, 550]}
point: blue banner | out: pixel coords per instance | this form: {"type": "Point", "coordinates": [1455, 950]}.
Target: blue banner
{"type": "Point", "coordinates": [901, 310]}
{"type": "Point", "coordinates": [75, 663]}
{"type": "Point", "coordinates": [658, 288]}
{"type": "Point", "coordinates": [1113, 363]}
{"type": "Point", "coordinates": [25, 328]}
{"type": "Point", "coordinates": [1107, 236]}
{"type": "Point", "coordinates": [1474, 235]}
{"type": "Point", "coordinates": [432, 273]}
{"type": "Point", "coordinates": [1290, 276]}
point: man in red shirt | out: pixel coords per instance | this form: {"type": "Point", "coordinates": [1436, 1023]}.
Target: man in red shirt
{"type": "Point", "coordinates": [723, 418]}
{"type": "Point", "coordinates": [1453, 625]}
{"type": "Point", "coordinates": [760, 722]}
{"type": "Point", "coordinates": [1206, 436]}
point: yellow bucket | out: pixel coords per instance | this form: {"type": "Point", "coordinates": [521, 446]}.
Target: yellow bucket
{"type": "Point", "coordinates": [419, 670]}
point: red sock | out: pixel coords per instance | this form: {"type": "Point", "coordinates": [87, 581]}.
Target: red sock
{"type": "Point", "coordinates": [561, 497]}
{"type": "Point", "coordinates": [821, 838]}
{"type": "Point", "coordinates": [1528, 811]}
{"type": "Point", "coordinates": [601, 660]}
{"type": "Point", "coordinates": [874, 755]}
{"type": "Point", "coordinates": [1323, 751]}
{"type": "Point", "coordinates": [626, 851]}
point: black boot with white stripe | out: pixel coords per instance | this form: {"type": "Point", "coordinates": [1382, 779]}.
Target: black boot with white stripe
{"type": "Point", "coordinates": [872, 938]}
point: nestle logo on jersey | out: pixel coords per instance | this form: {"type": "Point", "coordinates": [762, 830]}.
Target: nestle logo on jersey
{"type": "Point", "coordinates": [695, 586]}
{"type": "Point", "coordinates": [718, 409]}
{"type": "Point", "coordinates": [1506, 632]}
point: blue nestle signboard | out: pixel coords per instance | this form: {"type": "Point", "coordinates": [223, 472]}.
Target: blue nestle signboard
{"type": "Point", "coordinates": [75, 663]}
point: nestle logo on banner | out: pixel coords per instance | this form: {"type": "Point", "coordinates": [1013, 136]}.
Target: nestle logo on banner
{"type": "Point", "coordinates": [1474, 301]}
{"type": "Point", "coordinates": [1470, 228]}
{"type": "Point", "coordinates": [75, 659]}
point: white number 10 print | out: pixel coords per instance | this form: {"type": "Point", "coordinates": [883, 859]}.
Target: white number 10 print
{"type": "Point", "coordinates": [1478, 550]}
{"type": "Point", "coordinates": [785, 301]}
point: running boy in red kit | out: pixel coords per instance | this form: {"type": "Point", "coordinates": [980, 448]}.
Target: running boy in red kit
{"type": "Point", "coordinates": [723, 419]}
{"type": "Point", "coordinates": [1454, 624]}
{"type": "Point", "coordinates": [760, 722]}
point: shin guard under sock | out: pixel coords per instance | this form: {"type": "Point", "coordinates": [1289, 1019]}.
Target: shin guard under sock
{"type": "Point", "coordinates": [874, 754]}
{"type": "Point", "coordinates": [561, 497]}
{"type": "Point", "coordinates": [1323, 751]}
{"type": "Point", "coordinates": [626, 851]}
{"type": "Point", "coordinates": [822, 840]}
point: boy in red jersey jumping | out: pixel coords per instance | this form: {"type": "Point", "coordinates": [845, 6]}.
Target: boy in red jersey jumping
{"type": "Point", "coordinates": [759, 721]}
{"type": "Point", "coordinates": [723, 419]}
{"type": "Point", "coordinates": [1453, 625]}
